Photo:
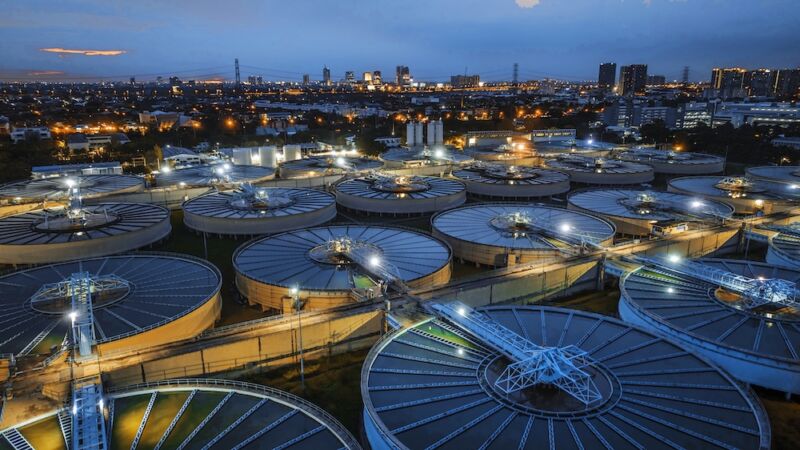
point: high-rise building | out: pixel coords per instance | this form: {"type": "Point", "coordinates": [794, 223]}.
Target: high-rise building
{"type": "Point", "coordinates": [350, 77]}
{"type": "Point", "coordinates": [632, 79]}
{"type": "Point", "coordinates": [728, 82]}
{"type": "Point", "coordinates": [787, 83]}
{"type": "Point", "coordinates": [376, 77]}
{"type": "Point", "coordinates": [402, 76]}
{"type": "Point", "coordinates": [367, 77]}
{"type": "Point", "coordinates": [326, 76]}
{"type": "Point", "coordinates": [306, 79]}
{"type": "Point", "coordinates": [760, 82]}
{"type": "Point", "coordinates": [465, 81]}
{"type": "Point", "coordinates": [607, 76]}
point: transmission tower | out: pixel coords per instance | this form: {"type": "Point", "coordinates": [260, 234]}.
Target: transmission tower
{"type": "Point", "coordinates": [238, 77]}
{"type": "Point", "coordinates": [515, 78]}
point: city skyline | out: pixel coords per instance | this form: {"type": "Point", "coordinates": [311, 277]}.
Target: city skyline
{"type": "Point", "coordinates": [90, 40]}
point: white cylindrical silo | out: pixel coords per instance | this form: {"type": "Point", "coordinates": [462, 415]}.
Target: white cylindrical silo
{"type": "Point", "coordinates": [268, 156]}
{"type": "Point", "coordinates": [439, 138]}
{"type": "Point", "coordinates": [431, 133]}
{"type": "Point", "coordinates": [292, 152]}
{"type": "Point", "coordinates": [410, 141]}
{"type": "Point", "coordinates": [241, 156]}
{"type": "Point", "coordinates": [418, 133]}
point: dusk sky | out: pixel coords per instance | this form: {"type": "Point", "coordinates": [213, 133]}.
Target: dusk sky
{"type": "Point", "coordinates": [87, 39]}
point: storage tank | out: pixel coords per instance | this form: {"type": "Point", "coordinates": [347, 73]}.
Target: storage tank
{"type": "Point", "coordinates": [749, 332]}
{"type": "Point", "coordinates": [505, 234]}
{"type": "Point", "coordinates": [292, 152]}
{"type": "Point", "coordinates": [418, 127]}
{"type": "Point", "coordinates": [399, 194]}
{"type": "Point", "coordinates": [435, 384]}
{"type": "Point", "coordinates": [410, 135]}
{"type": "Point", "coordinates": [57, 188]}
{"type": "Point", "coordinates": [63, 234]}
{"type": "Point", "coordinates": [431, 133]}
{"type": "Point", "coordinates": [327, 165]}
{"type": "Point", "coordinates": [641, 213]}
{"type": "Point", "coordinates": [600, 171]}
{"type": "Point", "coordinates": [497, 181]}
{"type": "Point", "coordinates": [242, 156]}
{"type": "Point", "coordinates": [213, 174]}
{"type": "Point", "coordinates": [251, 211]}
{"type": "Point", "coordinates": [778, 174]}
{"type": "Point", "coordinates": [439, 132]}
{"type": "Point", "coordinates": [746, 195]}
{"type": "Point", "coordinates": [268, 156]}
{"type": "Point", "coordinates": [672, 162]}
{"type": "Point", "coordinates": [138, 301]}
{"type": "Point", "coordinates": [193, 414]}
{"type": "Point", "coordinates": [326, 265]}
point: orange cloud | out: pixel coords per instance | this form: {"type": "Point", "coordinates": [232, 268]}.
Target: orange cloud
{"type": "Point", "coordinates": [39, 73]}
{"type": "Point", "coordinates": [68, 51]}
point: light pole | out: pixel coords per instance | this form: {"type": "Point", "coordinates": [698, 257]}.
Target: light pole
{"type": "Point", "coordinates": [295, 291]}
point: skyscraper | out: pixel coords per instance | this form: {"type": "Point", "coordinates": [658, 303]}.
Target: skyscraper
{"type": "Point", "coordinates": [350, 77]}
{"type": "Point", "coordinates": [376, 77]}
{"type": "Point", "coordinates": [760, 82]}
{"type": "Point", "coordinates": [326, 76]}
{"type": "Point", "coordinates": [402, 76]}
{"type": "Point", "coordinates": [306, 78]}
{"type": "Point", "coordinates": [787, 83]}
{"type": "Point", "coordinates": [728, 82]}
{"type": "Point", "coordinates": [633, 79]}
{"type": "Point", "coordinates": [607, 76]}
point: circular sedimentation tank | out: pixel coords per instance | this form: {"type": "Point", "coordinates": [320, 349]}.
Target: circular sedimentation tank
{"type": "Point", "coordinates": [58, 188]}
{"type": "Point", "coordinates": [400, 158]}
{"type": "Point", "coordinates": [211, 174]}
{"type": "Point", "coordinates": [748, 196]}
{"type": "Point", "coordinates": [500, 181]}
{"type": "Point", "coordinates": [253, 210]}
{"type": "Point", "coordinates": [63, 234]}
{"type": "Point", "coordinates": [327, 165]}
{"type": "Point", "coordinates": [518, 154]}
{"type": "Point", "coordinates": [784, 248]}
{"type": "Point", "coordinates": [671, 162]}
{"type": "Point", "coordinates": [501, 234]}
{"type": "Point", "coordinates": [399, 194]}
{"type": "Point", "coordinates": [582, 147]}
{"type": "Point", "coordinates": [635, 212]}
{"type": "Point", "coordinates": [139, 300]}
{"type": "Point", "coordinates": [756, 345]}
{"type": "Point", "coordinates": [434, 385]}
{"type": "Point", "coordinates": [778, 174]}
{"type": "Point", "coordinates": [197, 413]}
{"type": "Point", "coordinates": [332, 266]}
{"type": "Point", "coordinates": [600, 171]}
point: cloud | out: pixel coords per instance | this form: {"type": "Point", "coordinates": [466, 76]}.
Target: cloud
{"type": "Point", "coordinates": [44, 73]}
{"type": "Point", "coordinates": [527, 3]}
{"type": "Point", "coordinates": [68, 51]}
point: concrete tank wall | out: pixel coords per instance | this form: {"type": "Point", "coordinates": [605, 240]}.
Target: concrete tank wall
{"type": "Point", "coordinates": [66, 251]}
{"type": "Point", "coordinates": [292, 152]}
{"type": "Point", "coordinates": [257, 226]}
{"type": "Point", "coordinates": [268, 156]}
{"type": "Point", "coordinates": [401, 206]}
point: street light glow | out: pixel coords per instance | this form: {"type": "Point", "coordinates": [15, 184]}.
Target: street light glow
{"type": "Point", "coordinates": [374, 261]}
{"type": "Point", "coordinates": [73, 315]}
{"type": "Point", "coordinates": [565, 227]}
{"type": "Point", "coordinates": [674, 258]}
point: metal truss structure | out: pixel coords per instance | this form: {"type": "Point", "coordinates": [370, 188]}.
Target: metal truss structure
{"type": "Point", "coordinates": [651, 201]}
{"type": "Point", "coordinates": [367, 258]}
{"type": "Point", "coordinates": [546, 227]}
{"type": "Point", "coordinates": [755, 292]}
{"type": "Point", "coordinates": [562, 367]}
